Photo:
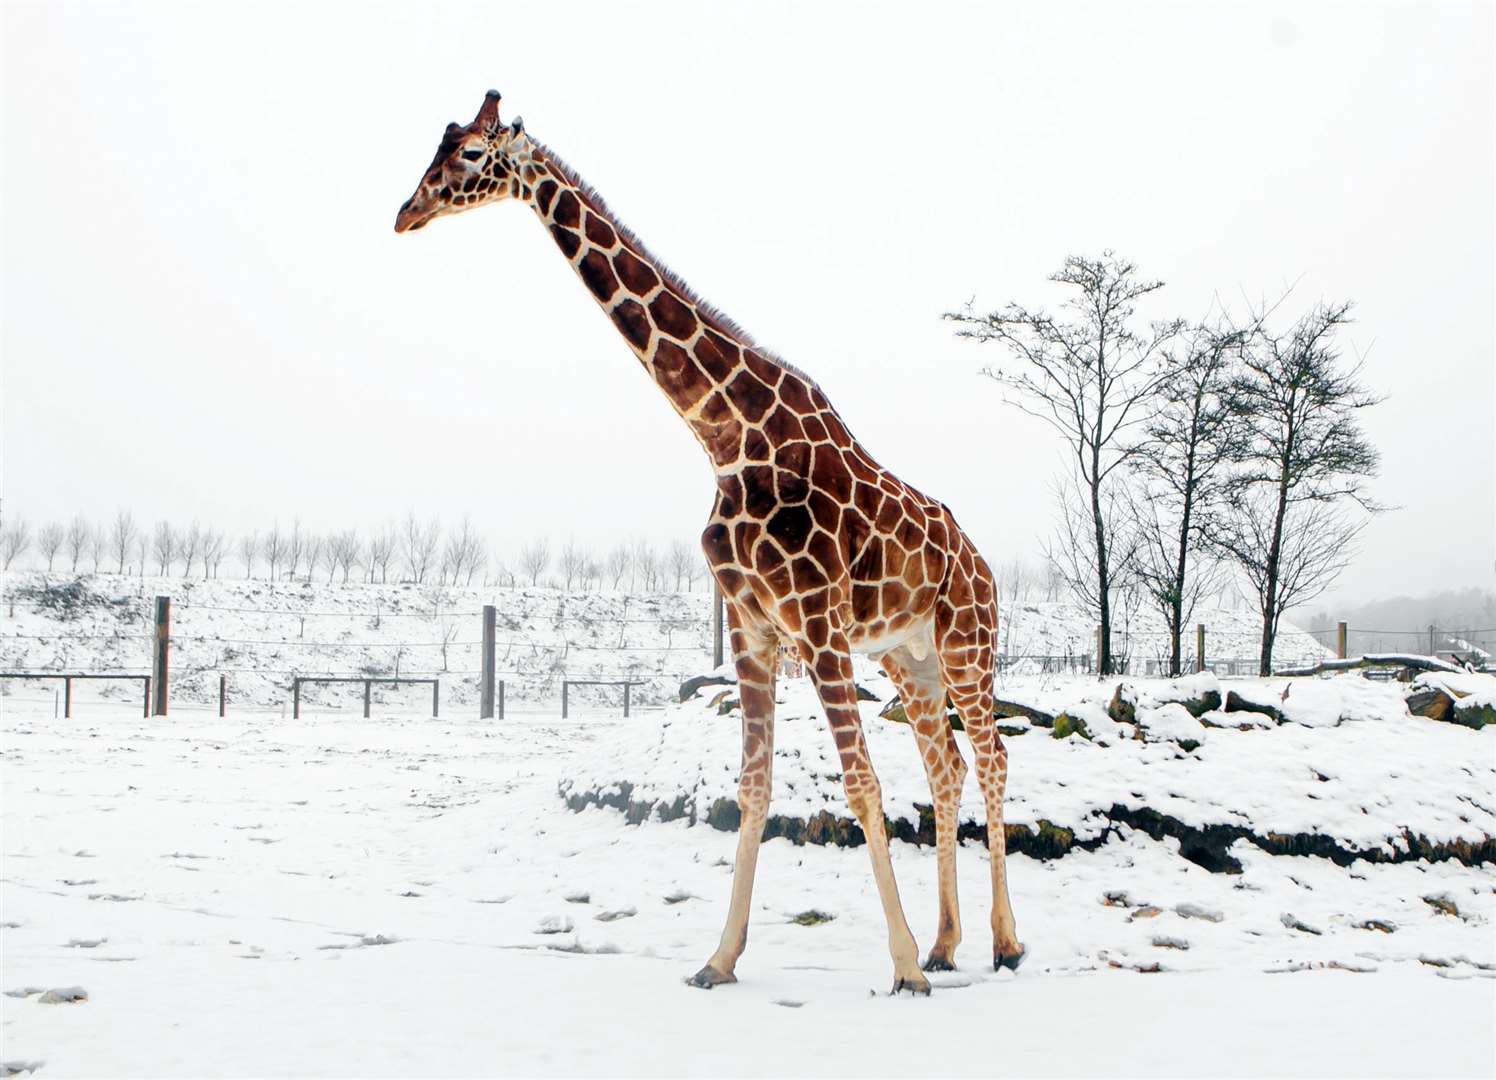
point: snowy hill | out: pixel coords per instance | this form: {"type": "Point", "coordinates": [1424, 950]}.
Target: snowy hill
{"type": "Point", "coordinates": [260, 634]}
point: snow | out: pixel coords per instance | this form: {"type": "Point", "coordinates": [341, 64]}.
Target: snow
{"type": "Point", "coordinates": [350, 897]}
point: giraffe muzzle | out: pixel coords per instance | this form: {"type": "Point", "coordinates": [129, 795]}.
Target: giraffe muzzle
{"type": "Point", "coordinates": [412, 217]}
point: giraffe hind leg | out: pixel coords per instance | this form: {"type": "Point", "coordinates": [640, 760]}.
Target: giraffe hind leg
{"type": "Point", "coordinates": [916, 675]}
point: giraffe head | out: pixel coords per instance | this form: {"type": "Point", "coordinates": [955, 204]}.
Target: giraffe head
{"type": "Point", "coordinates": [482, 162]}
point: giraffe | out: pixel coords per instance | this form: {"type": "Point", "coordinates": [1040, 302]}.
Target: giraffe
{"type": "Point", "coordinates": [812, 542]}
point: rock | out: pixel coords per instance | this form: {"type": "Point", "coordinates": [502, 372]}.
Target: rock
{"type": "Point", "coordinates": [556, 924]}
{"type": "Point", "coordinates": [1386, 926]}
{"type": "Point", "coordinates": [727, 704]}
{"type": "Point", "coordinates": [616, 914]}
{"type": "Point", "coordinates": [1170, 722]}
{"type": "Point", "coordinates": [1162, 942]}
{"type": "Point", "coordinates": [1444, 904]}
{"type": "Point", "coordinates": [578, 898]}
{"type": "Point", "coordinates": [812, 917]}
{"type": "Point", "coordinates": [1196, 911]}
{"type": "Point", "coordinates": [1433, 703]}
{"type": "Point", "coordinates": [1066, 725]}
{"type": "Point", "coordinates": [864, 694]}
{"type": "Point", "coordinates": [696, 682]}
{"type": "Point", "coordinates": [1293, 922]}
{"type": "Point", "coordinates": [63, 995]}
{"type": "Point", "coordinates": [1473, 714]}
{"type": "Point", "coordinates": [1236, 703]}
{"type": "Point", "coordinates": [1010, 709]}
{"type": "Point", "coordinates": [1123, 707]}
{"type": "Point", "coordinates": [1147, 911]}
{"type": "Point", "coordinates": [1116, 898]}
{"type": "Point", "coordinates": [16, 1066]}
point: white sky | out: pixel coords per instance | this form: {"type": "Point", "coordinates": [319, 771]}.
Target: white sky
{"type": "Point", "coordinates": [207, 314]}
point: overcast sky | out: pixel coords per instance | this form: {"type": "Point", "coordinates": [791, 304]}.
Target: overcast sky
{"type": "Point", "coordinates": [207, 314]}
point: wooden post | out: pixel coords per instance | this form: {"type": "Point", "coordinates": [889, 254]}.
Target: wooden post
{"type": "Point", "coordinates": [296, 698]}
{"type": "Point", "coordinates": [67, 697]}
{"type": "Point", "coordinates": [501, 699]}
{"type": "Point", "coordinates": [485, 686]}
{"type": "Point", "coordinates": [626, 700]}
{"type": "Point", "coordinates": [163, 651]}
{"type": "Point", "coordinates": [223, 694]}
{"type": "Point", "coordinates": [146, 706]}
{"type": "Point", "coordinates": [565, 689]}
{"type": "Point", "coordinates": [436, 689]}
{"type": "Point", "coordinates": [1340, 634]}
{"type": "Point", "coordinates": [716, 625]}
{"type": "Point", "coordinates": [368, 696]}
{"type": "Point", "coordinates": [1431, 640]}
{"type": "Point", "coordinates": [1200, 646]}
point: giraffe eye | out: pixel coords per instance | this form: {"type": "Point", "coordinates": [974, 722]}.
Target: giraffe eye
{"type": "Point", "coordinates": [471, 155]}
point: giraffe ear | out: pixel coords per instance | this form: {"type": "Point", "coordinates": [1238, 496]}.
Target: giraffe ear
{"type": "Point", "coordinates": [518, 127]}
{"type": "Point", "coordinates": [487, 119]}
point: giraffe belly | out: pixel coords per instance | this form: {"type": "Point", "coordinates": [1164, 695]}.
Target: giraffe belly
{"type": "Point", "coordinates": [918, 636]}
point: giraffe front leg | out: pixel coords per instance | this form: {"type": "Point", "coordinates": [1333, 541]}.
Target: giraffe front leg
{"type": "Point", "coordinates": [831, 669]}
{"type": "Point", "coordinates": [753, 656]}
{"type": "Point", "coordinates": [923, 696]}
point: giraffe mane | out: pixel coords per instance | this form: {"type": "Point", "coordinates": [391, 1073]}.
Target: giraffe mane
{"type": "Point", "coordinates": [709, 312]}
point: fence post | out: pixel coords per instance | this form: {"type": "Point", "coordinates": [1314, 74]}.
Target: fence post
{"type": "Point", "coordinates": [565, 692]}
{"type": "Point", "coordinates": [146, 706]}
{"type": "Point", "coordinates": [485, 687]}
{"type": "Point", "coordinates": [501, 699]}
{"type": "Point", "coordinates": [67, 697]}
{"type": "Point", "coordinates": [368, 695]}
{"type": "Point", "coordinates": [163, 651]}
{"type": "Point", "coordinates": [1431, 639]}
{"type": "Point", "coordinates": [223, 694]}
{"type": "Point", "coordinates": [436, 689]}
{"type": "Point", "coordinates": [1340, 634]}
{"type": "Point", "coordinates": [1200, 646]}
{"type": "Point", "coordinates": [626, 700]}
{"type": "Point", "coordinates": [296, 698]}
{"type": "Point", "coordinates": [716, 625]}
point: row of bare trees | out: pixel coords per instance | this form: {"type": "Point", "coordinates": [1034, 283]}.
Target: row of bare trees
{"type": "Point", "coordinates": [1227, 447]}
{"type": "Point", "coordinates": [409, 550]}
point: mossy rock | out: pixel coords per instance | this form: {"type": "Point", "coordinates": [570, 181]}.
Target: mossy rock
{"type": "Point", "coordinates": [1123, 707]}
{"type": "Point", "coordinates": [1473, 716]}
{"type": "Point", "coordinates": [812, 917]}
{"type": "Point", "coordinates": [1066, 725]}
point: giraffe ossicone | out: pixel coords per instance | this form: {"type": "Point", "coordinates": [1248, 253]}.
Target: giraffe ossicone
{"type": "Point", "coordinates": [813, 543]}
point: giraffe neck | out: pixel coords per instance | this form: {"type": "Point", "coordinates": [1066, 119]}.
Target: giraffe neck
{"type": "Point", "coordinates": [731, 394]}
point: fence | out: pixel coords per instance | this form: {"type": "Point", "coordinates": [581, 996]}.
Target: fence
{"type": "Point", "coordinates": [608, 648]}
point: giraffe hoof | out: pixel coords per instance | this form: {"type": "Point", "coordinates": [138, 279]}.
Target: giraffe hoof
{"type": "Point", "coordinates": [1010, 961]}
{"type": "Point", "coordinates": [916, 985]}
{"type": "Point", "coordinates": [939, 962]}
{"type": "Point", "coordinates": [709, 977]}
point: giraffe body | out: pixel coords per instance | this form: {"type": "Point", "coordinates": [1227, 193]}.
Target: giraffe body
{"type": "Point", "coordinates": [812, 542]}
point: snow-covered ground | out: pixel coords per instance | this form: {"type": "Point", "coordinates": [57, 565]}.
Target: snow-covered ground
{"type": "Point", "coordinates": [403, 896]}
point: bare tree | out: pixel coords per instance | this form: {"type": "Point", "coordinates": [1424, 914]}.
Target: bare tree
{"type": "Point", "coordinates": [141, 549]}
{"type": "Point", "coordinates": [316, 556]}
{"type": "Point", "coordinates": [164, 547]}
{"type": "Point", "coordinates": [98, 546]}
{"type": "Point", "coordinates": [274, 548]}
{"type": "Point", "coordinates": [76, 541]}
{"type": "Point", "coordinates": [1091, 376]}
{"type": "Point", "coordinates": [295, 548]}
{"type": "Point", "coordinates": [346, 550]}
{"type": "Point", "coordinates": [1182, 468]}
{"type": "Point", "coordinates": [620, 559]}
{"type": "Point", "coordinates": [573, 560]}
{"type": "Point", "coordinates": [49, 542]}
{"type": "Point", "coordinates": [249, 551]}
{"type": "Point", "coordinates": [418, 546]}
{"type": "Point", "coordinates": [191, 542]}
{"type": "Point", "coordinates": [1303, 457]}
{"type": "Point", "coordinates": [121, 535]}
{"type": "Point", "coordinates": [382, 547]}
{"type": "Point", "coordinates": [534, 558]}
{"type": "Point", "coordinates": [15, 538]}
{"type": "Point", "coordinates": [646, 566]}
{"type": "Point", "coordinates": [682, 560]}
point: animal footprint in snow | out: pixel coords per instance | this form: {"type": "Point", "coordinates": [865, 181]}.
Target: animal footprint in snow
{"type": "Point", "coordinates": [1293, 922]}
{"type": "Point", "coordinates": [556, 924]}
{"type": "Point", "coordinates": [1195, 911]}
{"type": "Point", "coordinates": [616, 914]}
{"type": "Point", "coordinates": [679, 897]}
{"type": "Point", "coordinates": [85, 943]}
{"type": "Point", "coordinates": [1162, 942]}
{"type": "Point", "coordinates": [578, 898]}
{"type": "Point", "coordinates": [63, 995]}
